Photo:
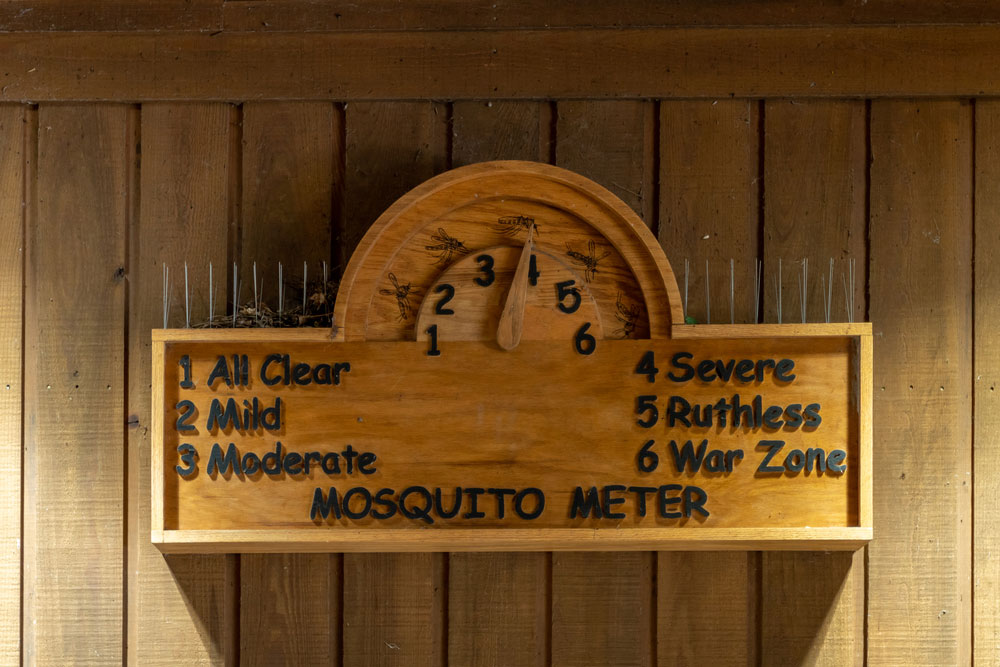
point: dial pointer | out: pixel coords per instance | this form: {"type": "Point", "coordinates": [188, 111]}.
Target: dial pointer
{"type": "Point", "coordinates": [512, 317]}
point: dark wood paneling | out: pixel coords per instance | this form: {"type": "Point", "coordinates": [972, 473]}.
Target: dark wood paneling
{"type": "Point", "coordinates": [74, 395]}
{"type": "Point", "coordinates": [12, 157]}
{"type": "Point", "coordinates": [289, 603]}
{"type": "Point", "coordinates": [602, 603]}
{"type": "Point", "coordinates": [709, 187]}
{"type": "Point", "coordinates": [321, 15]}
{"type": "Point", "coordinates": [182, 202]}
{"type": "Point", "coordinates": [813, 604]}
{"type": "Point", "coordinates": [986, 521]}
{"type": "Point", "coordinates": [486, 587]}
{"type": "Point", "coordinates": [456, 65]}
{"type": "Point", "coordinates": [394, 604]}
{"type": "Point", "coordinates": [110, 15]}
{"type": "Point", "coordinates": [921, 284]}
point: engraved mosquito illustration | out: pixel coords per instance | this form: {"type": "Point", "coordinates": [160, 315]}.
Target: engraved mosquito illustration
{"type": "Point", "coordinates": [627, 314]}
{"type": "Point", "coordinates": [589, 261]}
{"type": "Point", "coordinates": [402, 292]}
{"type": "Point", "coordinates": [446, 246]}
{"type": "Point", "coordinates": [512, 225]}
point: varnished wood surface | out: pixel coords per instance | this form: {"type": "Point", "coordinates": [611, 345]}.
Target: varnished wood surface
{"type": "Point", "coordinates": [516, 443]}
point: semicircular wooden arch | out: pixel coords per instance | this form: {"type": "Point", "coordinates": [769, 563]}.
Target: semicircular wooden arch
{"type": "Point", "coordinates": [498, 184]}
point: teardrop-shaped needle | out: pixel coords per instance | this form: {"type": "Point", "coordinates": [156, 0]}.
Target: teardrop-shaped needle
{"type": "Point", "coordinates": [512, 317]}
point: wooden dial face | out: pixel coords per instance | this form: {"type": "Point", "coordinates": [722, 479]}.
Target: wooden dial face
{"type": "Point", "coordinates": [432, 237]}
{"type": "Point", "coordinates": [445, 252]}
{"type": "Point", "coordinates": [466, 299]}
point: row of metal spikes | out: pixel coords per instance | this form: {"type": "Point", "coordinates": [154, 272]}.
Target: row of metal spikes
{"type": "Point", "coordinates": [826, 287]}
{"type": "Point", "coordinates": [258, 292]}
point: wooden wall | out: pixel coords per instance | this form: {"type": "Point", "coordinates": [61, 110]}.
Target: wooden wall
{"type": "Point", "coordinates": [277, 130]}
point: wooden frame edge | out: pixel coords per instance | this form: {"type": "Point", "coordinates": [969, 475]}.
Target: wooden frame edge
{"type": "Point", "coordinates": [815, 330]}
{"type": "Point", "coordinates": [542, 539]}
{"type": "Point", "coordinates": [156, 441]}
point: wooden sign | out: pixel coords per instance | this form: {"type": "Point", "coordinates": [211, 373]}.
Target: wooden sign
{"type": "Point", "coordinates": [510, 372]}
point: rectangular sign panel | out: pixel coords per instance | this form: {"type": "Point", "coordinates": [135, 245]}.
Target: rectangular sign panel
{"type": "Point", "coordinates": [289, 441]}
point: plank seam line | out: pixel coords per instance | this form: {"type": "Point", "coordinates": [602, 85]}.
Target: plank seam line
{"type": "Point", "coordinates": [972, 399]}
{"type": "Point", "coordinates": [133, 158]}
{"type": "Point", "coordinates": [869, 160]}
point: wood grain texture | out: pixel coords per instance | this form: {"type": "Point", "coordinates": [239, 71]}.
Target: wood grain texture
{"type": "Point", "coordinates": [710, 189]}
{"type": "Point", "coordinates": [394, 604]}
{"type": "Point", "coordinates": [12, 158]}
{"type": "Point", "coordinates": [289, 153]}
{"type": "Point", "coordinates": [709, 186]}
{"type": "Point", "coordinates": [391, 148]}
{"type": "Point", "coordinates": [814, 204]}
{"type": "Point", "coordinates": [712, 63]}
{"type": "Point", "coordinates": [612, 143]}
{"type": "Point", "coordinates": [986, 549]}
{"type": "Point", "coordinates": [110, 15]}
{"type": "Point", "coordinates": [394, 609]}
{"type": "Point", "coordinates": [289, 603]}
{"type": "Point", "coordinates": [602, 608]}
{"type": "Point", "coordinates": [813, 605]}
{"type": "Point", "coordinates": [319, 15]}
{"type": "Point", "coordinates": [484, 588]}
{"type": "Point", "coordinates": [74, 393]}
{"type": "Point", "coordinates": [593, 594]}
{"type": "Point", "coordinates": [182, 217]}
{"type": "Point", "coordinates": [921, 251]}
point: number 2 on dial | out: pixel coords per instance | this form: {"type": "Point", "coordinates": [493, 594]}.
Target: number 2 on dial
{"type": "Point", "coordinates": [449, 294]}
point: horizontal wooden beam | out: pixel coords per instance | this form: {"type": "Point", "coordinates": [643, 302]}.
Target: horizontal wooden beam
{"type": "Point", "coordinates": [550, 64]}
{"type": "Point", "coordinates": [334, 15]}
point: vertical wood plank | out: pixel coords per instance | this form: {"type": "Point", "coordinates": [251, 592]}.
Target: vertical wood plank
{"type": "Point", "coordinates": [710, 194]}
{"type": "Point", "coordinates": [602, 603]}
{"type": "Point", "coordinates": [394, 604]}
{"type": "Point", "coordinates": [986, 553]}
{"type": "Point", "coordinates": [612, 143]}
{"type": "Point", "coordinates": [498, 602]}
{"type": "Point", "coordinates": [289, 603]}
{"type": "Point", "coordinates": [921, 254]}
{"type": "Point", "coordinates": [709, 173]}
{"type": "Point", "coordinates": [288, 168]}
{"type": "Point", "coordinates": [178, 605]}
{"type": "Point", "coordinates": [74, 393]}
{"type": "Point", "coordinates": [12, 136]}
{"type": "Point", "coordinates": [812, 604]}
{"type": "Point", "coordinates": [391, 148]}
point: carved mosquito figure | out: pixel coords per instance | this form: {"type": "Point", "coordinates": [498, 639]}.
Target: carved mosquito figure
{"type": "Point", "coordinates": [512, 225]}
{"type": "Point", "coordinates": [589, 261]}
{"type": "Point", "coordinates": [627, 314]}
{"type": "Point", "coordinates": [446, 246]}
{"type": "Point", "coordinates": [402, 293]}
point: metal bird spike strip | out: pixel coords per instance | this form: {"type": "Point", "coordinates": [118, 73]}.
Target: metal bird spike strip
{"type": "Point", "coordinates": [316, 309]}
{"type": "Point", "coordinates": [848, 279]}
{"type": "Point", "coordinates": [318, 296]}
